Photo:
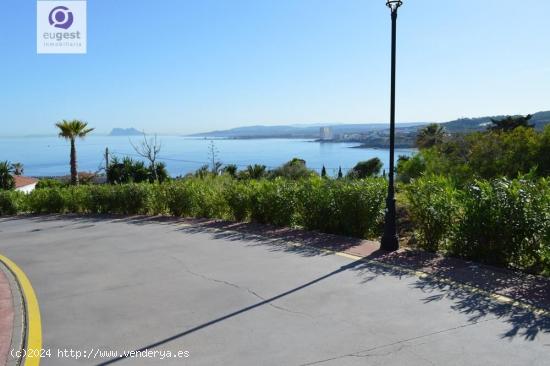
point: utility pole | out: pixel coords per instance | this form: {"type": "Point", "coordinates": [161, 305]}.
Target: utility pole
{"type": "Point", "coordinates": [106, 159]}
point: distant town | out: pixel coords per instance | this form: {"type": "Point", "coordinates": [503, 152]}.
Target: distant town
{"type": "Point", "coordinates": [373, 135]}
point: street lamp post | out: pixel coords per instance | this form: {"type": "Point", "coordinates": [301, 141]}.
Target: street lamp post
{"type": "Point", "coordinates": [390, 241]}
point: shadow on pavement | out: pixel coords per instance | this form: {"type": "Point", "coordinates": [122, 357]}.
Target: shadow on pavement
{"type": "Point", "coordinates": [235, 313]}
{"type": "Point", "coordinates": [532, 290]}
{"type": "Point", "coordinates": [477, 306]}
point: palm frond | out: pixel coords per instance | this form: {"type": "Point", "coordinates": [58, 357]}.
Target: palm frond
{"type": "Point", "coordinates": [72, 129]}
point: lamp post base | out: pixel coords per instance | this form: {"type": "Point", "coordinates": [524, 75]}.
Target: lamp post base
{"type": "Point", "coordinates": [390, 240]}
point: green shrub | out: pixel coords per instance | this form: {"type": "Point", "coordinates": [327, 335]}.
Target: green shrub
{"type": "Point", "coordinates": [207, 197]}
{"type": "Point", "coordinates": [362, 206]}
{"type": "Point", "coordinates": [343, 207]}
{"type": "Point", "coordinates": [505, 222]}
{"type": "Point", "coordinates": [333, 206]}
{"type": "Point", "coordinates": [319, 209]}
{"type": "Point", "coordinates": [197, 197]}
{"type": "Point", "coordinates": [49, 183]}
{"type": "Point", "coordinates": [409, 168]}
{"type": "Point", "coordinates": [433, 206]}
{"type": "Point", "coordinates": [76, 199]}
{"type": "Point", "coordinates": [127, 170]}
{"type": "Point", "coordinates": [238, 197]}
{"type": "Point", "coordinates": [11, 202]}
{"type": "Point", "coordinates": [293, 169]}
{"type": "Point", "coordinates": [47, 200]}
{"type": "Point", "coordinates": [178, 198]}
{"type": "Point", "coordinates": [132, 199]}
{"type": "Point", "coordinates": [99, 199]}
{"type": "Point", "coordinates": [273, 202]}
{"type": "Point", "coordinates": [365, 169]}
{"type": "Point", "coordinates": [498, 152]}
{"type": "Point", "coordinates": [255, 171]}
{"type": "Point", "coordinates": [502, 222]}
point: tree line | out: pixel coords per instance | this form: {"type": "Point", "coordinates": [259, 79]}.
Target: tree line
{"type": "Point", "coordinates": [509, 147]}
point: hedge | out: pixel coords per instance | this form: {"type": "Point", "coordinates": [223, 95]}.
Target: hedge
{"type": "Point", "coordinates": [502, 222]}
{"type": "Point", "coordinates": [341, 207]}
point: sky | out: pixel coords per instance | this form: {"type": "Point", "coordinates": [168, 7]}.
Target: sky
{"type": "Point", "coordinates": [185, 66]}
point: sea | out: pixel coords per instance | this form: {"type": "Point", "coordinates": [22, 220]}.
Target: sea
{"type": "Point", "coordinates": [49, 155]}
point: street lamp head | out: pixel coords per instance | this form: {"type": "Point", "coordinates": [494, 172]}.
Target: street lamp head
{"type": "Point", "coordinates": [394, 4]}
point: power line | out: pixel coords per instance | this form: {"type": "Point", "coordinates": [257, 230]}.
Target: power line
{"type": "Point", "coordinates": [236, 164]}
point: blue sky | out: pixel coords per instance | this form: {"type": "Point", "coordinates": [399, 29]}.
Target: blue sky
{"type": "Point", "coordinates": [182, 66]}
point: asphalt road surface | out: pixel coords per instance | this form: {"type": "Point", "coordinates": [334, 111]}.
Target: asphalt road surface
{"type": "Point", "coordinates": [191, 296]}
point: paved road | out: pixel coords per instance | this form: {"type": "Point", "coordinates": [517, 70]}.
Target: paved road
{"type": "Point", "coordinates": [231, 299]}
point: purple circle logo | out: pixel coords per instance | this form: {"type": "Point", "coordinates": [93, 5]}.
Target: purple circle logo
{"type": "Point", "coordinates": [61, 17]}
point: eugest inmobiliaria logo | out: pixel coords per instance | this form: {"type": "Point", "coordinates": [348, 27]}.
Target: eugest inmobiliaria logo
{"type": "Point", "coordinates": [61, 26]}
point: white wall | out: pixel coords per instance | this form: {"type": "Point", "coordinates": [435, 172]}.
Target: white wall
{"type": "Point", "coordinates": [26, 189]}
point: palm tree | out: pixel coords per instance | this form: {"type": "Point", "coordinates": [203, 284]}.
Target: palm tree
{"type": "Point", "coordinates": [70, 130]}
{"type": "Point", "coordinates": [432, 134]}
{"type": "Point", "coordinates": [6, 179]}
{"type": "Point", "coordinates": [256, 171]}
{"type": "Point", "coordinates": [17, 168]}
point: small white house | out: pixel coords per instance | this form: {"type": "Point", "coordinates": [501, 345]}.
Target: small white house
{"type": "Point", "coordinates": [24, 184]}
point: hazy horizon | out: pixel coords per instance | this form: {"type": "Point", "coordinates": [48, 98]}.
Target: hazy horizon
{"type": "Point", "coordinates": [312, 124]}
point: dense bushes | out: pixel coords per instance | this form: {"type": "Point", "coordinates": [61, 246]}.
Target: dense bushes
{"type": "Point", "coordinates": [342, 207]}
{"type": "Point", "coordinates": [483, 155]}
{"type": "Point", "coordinates": [433, 208]}
{"type": "Point", "coordinates": [348, 207]}
{"type": "Point", "coordinates": [483, 195]}
{"type": "Point", "coordinates": [11, 202]}
{"type": "Point", "coordinates": [365, 169]}
{"type": "Point", "coordinates": [129, 170]}
{"type": "Point", "coordinates": [49, 183]}
{"type": "Point", "coordinates": [410, 167]}
{"type": "Point", "coordinates": [274, 202]}
{"type": "Point", "coordinates": [505, 223]}
{"type": "Point", "coordinates": [293, 169]}
{"type": "Point", "coordinates": [47, 200]}
{"type": "Point", "coordinates": [502, 222]}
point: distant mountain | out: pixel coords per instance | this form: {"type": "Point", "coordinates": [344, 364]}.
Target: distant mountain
{"type": "Point", "coordinates": [125, 132]}
{"type": "Point", "coordinates": [299, 131]}
{"type": "Point", "coordinates": [539, 119]}
{"type": "Point", "coordinates": [461, 125]}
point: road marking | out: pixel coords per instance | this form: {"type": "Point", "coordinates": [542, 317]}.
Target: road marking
{"type": "Point", "coordinates": [33, 336]}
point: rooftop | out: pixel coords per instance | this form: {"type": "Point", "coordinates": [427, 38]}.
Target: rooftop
{"type": "Point", "coordinates": [21, 181]}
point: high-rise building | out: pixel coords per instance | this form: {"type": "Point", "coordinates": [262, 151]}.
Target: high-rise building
{"type": "Point", "coordinates": [325, 133]}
